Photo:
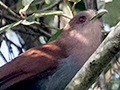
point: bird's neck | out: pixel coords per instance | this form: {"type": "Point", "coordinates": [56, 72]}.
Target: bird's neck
{"type": "Point", "coordinates": [79, 45]}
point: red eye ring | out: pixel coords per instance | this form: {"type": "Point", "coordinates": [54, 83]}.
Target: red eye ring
{"type": "Point", "coordinates": [82, 19]}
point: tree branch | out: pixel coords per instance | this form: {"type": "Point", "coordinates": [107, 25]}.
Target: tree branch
{"type": "Point", "coordinates": [3, 57]}
{"type": "Point", "coordinates": [51, 6]}
{"type": "Point", "coordinates": [7, 8]}
{"type": "Point", "coordinates": [97, 62]}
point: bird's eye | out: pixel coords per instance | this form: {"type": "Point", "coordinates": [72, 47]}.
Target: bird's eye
{"type": "Point", "coordinates": [81, 19]}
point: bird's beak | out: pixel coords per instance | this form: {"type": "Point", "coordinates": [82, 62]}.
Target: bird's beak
{"type": "Point", "coordinates": [99, 14]}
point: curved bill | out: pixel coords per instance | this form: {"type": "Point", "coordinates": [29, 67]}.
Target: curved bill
{"type": "Point", "coordinates": [99, 14]}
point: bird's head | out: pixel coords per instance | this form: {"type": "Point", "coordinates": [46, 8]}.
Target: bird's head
{"type": "Point", "coordinates": [85, 20]}
{"type": "Point", "coordinates": [84, 25]}
{"type": "Point", "coordinates": [82, 33]}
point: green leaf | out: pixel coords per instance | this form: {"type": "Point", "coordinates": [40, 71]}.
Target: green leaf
{"type": "Point", "coordinates": [31, 20]}
{"type": "Point", "coordinates": [49, 1]}
{"type": "Point", "coordinates": [7, 27]}
{"type": "Point", "coordinates": [37, 15]}
{"type": "Point", "coordinates": [27, 2]}
{"type": "Point", "coordinates": [28, 21]}
{"type": "Point", "coordinates": [35, 2]}
{"type": "Point", "coordinates": [75, 1]}
{"type": "Point", "coordinates": [107, 0]}
{"type": "Point", "coordinates": [19, 5]}
{"type": "Point", "coordinates": [31, 9]}
{"type": "Point", "coordinates": [54, 37]}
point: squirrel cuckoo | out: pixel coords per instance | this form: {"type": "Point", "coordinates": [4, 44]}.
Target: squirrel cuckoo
{"type": "Point", "coordinates": [53, 65]}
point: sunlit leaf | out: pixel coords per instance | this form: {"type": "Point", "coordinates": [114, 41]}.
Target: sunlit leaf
{"type": "Point", "coordinates": [28, 21]}
{"type": "Point", "coordinates": [37, 15]}
{"type": "Point", "coordinates": [7, 27]}
{"type": "Point", "coordinates": [31, 20]}
{"type": "Point", "coordinates": [35, 2]}
{"type": "Point", "coordinates": [107, 0]}
{"type": "Point", "coordinates": [49, 1]}
{"type": "Point", "coordinates": [75, 1]}
{"type": "Point", "coordinates": [48, 13]}
{"type": "Point", "coordinates": [27, 2]}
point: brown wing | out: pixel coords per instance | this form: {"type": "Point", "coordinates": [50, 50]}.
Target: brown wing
{"type": "Point", "coordinates": [29, 64]}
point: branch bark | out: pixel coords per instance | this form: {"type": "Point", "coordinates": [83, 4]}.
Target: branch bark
{"type": "Point", "coordinates": [97, 62]}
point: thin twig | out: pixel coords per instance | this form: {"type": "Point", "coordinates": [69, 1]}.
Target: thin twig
{"type": "Point", "coordinates": [115, 70]}
{"type": "Point", "coordinates": [51, 6]}
{"type": "Point", "coordinates": [26, 33]}
{"type": "Point", "coordinates": [49, 26]}
{"type": "Point", "coordinates": [43, 31]}
{"type": "Point", "coordinates": [7, 8]}
{"type": "Point", "coordinates": [3, 57]}
{"type": "Point", "coordinates": [9, 17]}
{"type": "Point", "coordinates": [73, 7]}
{"type": "Point", "coordinates": [69, 7]}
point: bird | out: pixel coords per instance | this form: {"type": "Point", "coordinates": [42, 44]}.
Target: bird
{"type": "Point", "coordinates": [53, 65]}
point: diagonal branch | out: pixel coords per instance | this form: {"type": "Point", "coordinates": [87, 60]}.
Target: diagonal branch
{"type": "Point", "coordinates": [3, 57]}
{"type": "Point", "coordinates": [97, 62]}
{"type": "Point", "coordinates": [7, 8]}
{"type": "Point", "coordinates": [51, 6]}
